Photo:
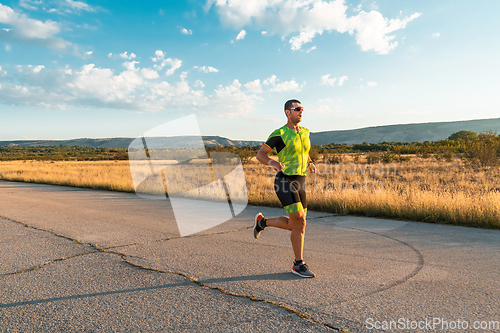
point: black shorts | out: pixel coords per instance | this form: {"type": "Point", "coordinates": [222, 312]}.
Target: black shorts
{"type": "Point", "coordinates": [291, 191]}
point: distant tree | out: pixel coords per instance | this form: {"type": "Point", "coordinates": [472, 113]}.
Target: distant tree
{"type": "Point", "coordinates": [463, 135]}
{"type": "Point", "coordinates": [245, 155]}
{"type": "Point", "coordinates": [313, 153]}
{"type": "Point", "coordinates": [483, 150]}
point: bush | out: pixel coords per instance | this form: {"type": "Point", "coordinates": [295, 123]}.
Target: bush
{"type": "Point", "coordinates": [245, 155]}
{"type": "Point", "coordinates": [424, 152]}
{"type": "Point", "coordinates": [372, 158]}
{"type": "Point", "coordinates": [388, 156]}
{"type": "Point", "coordinates": [445, 154]}
{"type": "Point", "coordinates": [463, 135]}
{"type": "Point", "coordinates": [483, 150]}
{"type": "Point", "coordinates": [335, 159]}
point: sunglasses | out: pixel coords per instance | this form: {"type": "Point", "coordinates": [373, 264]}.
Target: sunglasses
{"type": "Point", "coordinates": [298, 108]}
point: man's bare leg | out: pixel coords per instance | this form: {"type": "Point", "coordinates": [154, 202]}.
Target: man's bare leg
{"type": "Point", "coordinates": [296, 223]}
{"type": "Point", "coordinates": [282, 222]}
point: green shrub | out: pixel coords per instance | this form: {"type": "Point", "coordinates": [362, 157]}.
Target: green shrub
{"type": "Point", "coordinates": [483, 150]}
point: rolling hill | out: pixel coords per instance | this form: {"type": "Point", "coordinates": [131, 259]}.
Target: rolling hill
{"type": "Point", "coordinates": [397, 133]}
{"type": "Point", "coordinates": [405, 133]}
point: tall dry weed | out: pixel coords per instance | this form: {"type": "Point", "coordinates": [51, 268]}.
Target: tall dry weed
{"type": "Point", "coordinates": [422, 189]}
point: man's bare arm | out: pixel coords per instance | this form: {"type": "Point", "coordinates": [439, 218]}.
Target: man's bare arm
{"type": "Point", "coordinates": [266, 160]}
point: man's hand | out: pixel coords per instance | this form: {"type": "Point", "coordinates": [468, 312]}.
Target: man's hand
{"type": "Point", "coordinates": [312, 167]}
{"type": "Point", "coordinates": [276, 165]}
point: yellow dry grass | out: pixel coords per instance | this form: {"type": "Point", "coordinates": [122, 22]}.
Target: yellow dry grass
{"type": "Point", "coordinates": [103, 175]}
{"type": "Point", "coordinates": [419, 190]}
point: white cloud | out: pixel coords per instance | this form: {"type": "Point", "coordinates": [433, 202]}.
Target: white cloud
{"type": "Point", "coordinates": [435, 35]}
{"type": "Point", "coordinates": [311, 49]}
{"type": "Point", "coordinates": [173, 63]}
{"type": "Point", "coordinates": [199, 84]}
{"type": "Point", "coordinates": [159, 55]}
{"type": "Point", "coordinates": [133, 87]}
{"type": "Point", "coordinates": [254, 86]}
{"type": "Point", "coordinates": [241, 35]}
{"type": "Point", "coordinates": [325, 79]}
{"type": "Point", "coordinates": [130, 65]}
{"type": "Point", "coordinates": [89, 53]}
{"type": "Point", "coordinates": [29, 69]}
{"type": "Point", "coordinates": [124, 55]}
{"type": "Point", "coordinates": [79, 5]}
{"type": "Point", "coordinates": [186, 31]}
{"type": "Point", "coordinates": [110, 55]}
{"type": "Point", "coordinates": [342, 79]}
{"type": "Point", "coordinates": [207, 69]}
{"type": "Point", "coordinates": [371, 84]}
{"type": "Point", "coordinates": [372, 30]}
{"type": "Point", "coordinates": [90, 86]}
{"type": "Point", "coordinates": [58, 6]}
{"type": "Point", "coordinates": [271, 82]}
{"type": "Point", "coordinates": [231, 102]}
{"type": "Point", "coordinates": [264, 32]}
{"type": "Point", "coordinates": [26, 4]}
{"type": "Point", "coordinates": [38, 68]}
{"type": "Point", "coordinates": [302, 38]}
{"type": "Point", "coordinates": [25, 28]}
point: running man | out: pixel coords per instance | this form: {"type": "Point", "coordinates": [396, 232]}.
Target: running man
{"type": "Point", "coordinates": [292, 144]}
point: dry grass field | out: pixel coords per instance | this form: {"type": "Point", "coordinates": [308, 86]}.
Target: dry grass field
{"type": "Point", "coordinates": [418, 190]}
{"type": "Point", "coordinates": [102, 175]}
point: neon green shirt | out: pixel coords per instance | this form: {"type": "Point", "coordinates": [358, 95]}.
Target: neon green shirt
{"type": "Point", "coordinates": [292, 147]}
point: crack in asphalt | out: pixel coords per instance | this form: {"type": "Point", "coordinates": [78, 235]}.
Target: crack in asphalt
{"type": "Point", "coordinates": [48, 263]}
{"type": "Point", "coordinates": [189, 278]}
{"type": "Point", "coordinates": [289, 309]}
{"type": "Point", "coordinates": [225, 292]}
{"type": "Point", "coordinates": [177, 237]}
{"type": "Point", "coordinates": [417, 269]}
{"type": "Point", "coordinates": [95, 247]}
{"type": "Point", "coordinates": [51, 232]}
{"type": "Point", "coordinates": [321, 217]}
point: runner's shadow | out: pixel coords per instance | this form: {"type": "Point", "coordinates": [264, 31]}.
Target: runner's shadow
{"type": "Point", "coordinates": [92, 295]}
{"type": "Point", "coordinates": [284, 276]}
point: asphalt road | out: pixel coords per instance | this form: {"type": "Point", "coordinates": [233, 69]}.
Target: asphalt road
{"type": "Point", "coordinates": [78, 260]}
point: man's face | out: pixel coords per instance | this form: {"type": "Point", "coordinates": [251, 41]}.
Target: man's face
{"type": "Point", "coordinates": [294, 115]}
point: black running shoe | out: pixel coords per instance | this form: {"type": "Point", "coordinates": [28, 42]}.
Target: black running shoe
{"type": "Point", "coordinates": [257, 229]}
{"type": "Point", "coordinates": [302, 270]}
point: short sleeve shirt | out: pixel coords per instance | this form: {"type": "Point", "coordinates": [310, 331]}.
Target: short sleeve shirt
{"type": "Point", "coordinates": [292, 148]}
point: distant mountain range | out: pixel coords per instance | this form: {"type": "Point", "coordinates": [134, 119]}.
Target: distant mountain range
{"type": "Point", "coordinates": [125, 142]}
{"type": "Point", "coordinates": [398, 133]}
{"type": "Point", "coordinates": [405, 133]}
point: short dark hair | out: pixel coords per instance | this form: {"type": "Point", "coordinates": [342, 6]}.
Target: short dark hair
{"type": "Point", "coordinates": [289, 103]}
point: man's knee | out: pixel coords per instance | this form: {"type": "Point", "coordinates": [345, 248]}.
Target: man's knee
{"type": "Point", "coordinates": [298, 219]}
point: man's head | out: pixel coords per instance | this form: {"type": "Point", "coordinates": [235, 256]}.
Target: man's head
{"type": "Point", "coordinates": [293, 110]}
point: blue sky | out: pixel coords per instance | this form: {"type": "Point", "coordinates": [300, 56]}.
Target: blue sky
{"type": "Point", "coordinates": [72, 69]}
